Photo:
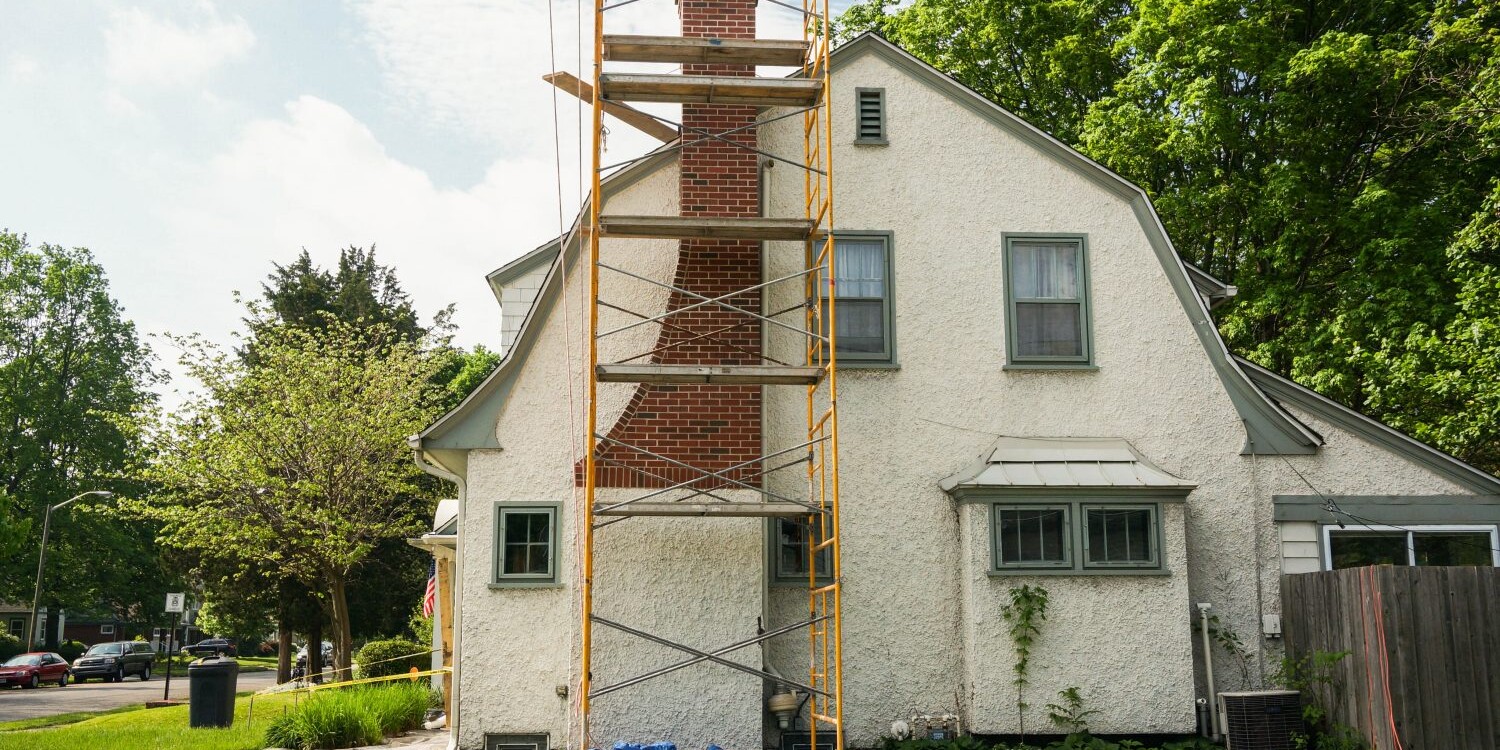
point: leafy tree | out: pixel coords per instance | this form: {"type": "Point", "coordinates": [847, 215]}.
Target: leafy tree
{"type": "Point", "coordinates": [72, 375]}
{"type": "Point", "coordinates": [298, 462]}
{"type": "Point", "coordinates": [1326, 158]}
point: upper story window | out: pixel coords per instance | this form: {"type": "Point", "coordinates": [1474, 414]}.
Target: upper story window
{"type": "Point", "coordinates": [1353, 547]}
{"type": "Point", "coordinates": [869, 126]}
{"type": "Point", "coordinates": [1046, 290]}
{"type": "Point", "coordinates": [862, 286]}
{"type": "Point", "coordinates": [525, 544]}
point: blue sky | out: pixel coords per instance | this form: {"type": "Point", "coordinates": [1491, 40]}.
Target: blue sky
{"type": "Point", "coordinates": [190, 144]}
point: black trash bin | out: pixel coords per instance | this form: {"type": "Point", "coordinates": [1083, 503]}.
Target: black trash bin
{"type": "Point", "coordinates": [211, 685]}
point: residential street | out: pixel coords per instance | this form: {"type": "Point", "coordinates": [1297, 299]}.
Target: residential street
{"type": "Point", "coordinates": [16, 703]}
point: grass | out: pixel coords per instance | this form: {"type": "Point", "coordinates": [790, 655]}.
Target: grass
{"type": "Point", "coordinates": [151, 729]}
{"type": "Point", "coordinates": [352, 716]}
{"type": "Point", "coordinates": [60, 719]}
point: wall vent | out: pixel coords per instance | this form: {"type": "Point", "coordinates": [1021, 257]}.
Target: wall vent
{"type": "Point", "coordinates": [537, 741]}
{"type": "Point", "coordinates": [870, 105]}
{"type": "Point", "coordinates": [1261, 720]}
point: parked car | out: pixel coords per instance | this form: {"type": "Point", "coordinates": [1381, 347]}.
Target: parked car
{"type": "Point", "coordinates": [33, 669]}
{"type": "Point", "coordinates": [211, 647]}
{"type": "Point", "coordinates": [112, 661]}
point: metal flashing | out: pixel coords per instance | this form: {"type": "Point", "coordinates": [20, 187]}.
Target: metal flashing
{"type": "Point", "coordinates": [1092, 465]}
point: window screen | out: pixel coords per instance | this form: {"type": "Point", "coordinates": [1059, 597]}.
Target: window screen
{"type": "Point", "coordinates": [525, 537]}
{"type": "Point", "coordinates": [1048, 308]}
{"type": "Point", "coordinates": [861, 268]}
{"type": "Point", "coordinates": [1031, 536]}
{"type": "Point", "coordinates": [1353, 548]}
{"type": "Point", "coordinates": [790, 550]}
{"type": "Point", "coordinates": [1120, 536]}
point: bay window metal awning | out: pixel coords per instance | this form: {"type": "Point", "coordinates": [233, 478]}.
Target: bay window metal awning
{"type": "Point", "coordinates": [1106, 464]}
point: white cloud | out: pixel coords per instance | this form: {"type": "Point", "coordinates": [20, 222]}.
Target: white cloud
{"type": "Point", "coordinates": [21, 68]}
{"type": "Point", "coordinates": [318, 178]}
{"type": "Point", "coordinates": [142, 50]}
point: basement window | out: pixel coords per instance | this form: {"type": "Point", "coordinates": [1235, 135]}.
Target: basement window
{"type": "Point", "coordinates": [869, 125]}
{"type": "Point", "coordinates": [525, 544]}
{"type": "Point", "coordinates": [1410, 546]}
{"type": "Point", "coordinates": [1047, 305]}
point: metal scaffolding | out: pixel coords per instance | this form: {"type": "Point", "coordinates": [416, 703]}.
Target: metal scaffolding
{"type": "Point", "coordinates": [685, 489]}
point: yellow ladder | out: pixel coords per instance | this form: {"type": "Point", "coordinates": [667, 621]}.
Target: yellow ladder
{"type": "Point", "coordinates": [810, 96]}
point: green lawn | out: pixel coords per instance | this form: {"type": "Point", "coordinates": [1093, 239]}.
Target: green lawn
{"type": "Point", "coordinates": [151, 729]}
{"type": "Point", "coordinates": [247, 664]}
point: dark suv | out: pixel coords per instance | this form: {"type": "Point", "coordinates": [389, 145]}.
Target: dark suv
{"type": "Point", "coordinates": [112, 661]}
{"type": "Point", "coordinates": [211, 647]}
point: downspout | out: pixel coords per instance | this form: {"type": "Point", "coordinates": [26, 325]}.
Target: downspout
{"type": "Point", "coordinates": [458, 576]}
{"type": "Point", "coordinates": [1208, 665]}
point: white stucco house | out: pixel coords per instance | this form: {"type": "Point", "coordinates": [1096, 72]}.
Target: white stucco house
{"type": "Point", "coordinates": [1035, 394]}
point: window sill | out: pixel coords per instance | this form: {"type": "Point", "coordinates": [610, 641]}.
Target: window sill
{"type": "Point", "coordinates": [871, 142]}
{"type": "Point", "coordinates": [867, 364]}
{"type": "Point", "coordinates": [507, 585]}
{"type": "Point", "coordinates": [1013, 573]}
{"type": "Point", "coordinates": [1075, 366]}
{"type": "Point", "coordinates": [801, 585]}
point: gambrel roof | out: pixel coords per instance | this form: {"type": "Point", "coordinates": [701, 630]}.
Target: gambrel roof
{"type": "Point", "coordinates": [1270, 428]}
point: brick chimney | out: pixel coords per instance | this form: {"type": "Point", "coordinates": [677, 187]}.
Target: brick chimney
{"type": "Point", "coordinates": [711, 427]}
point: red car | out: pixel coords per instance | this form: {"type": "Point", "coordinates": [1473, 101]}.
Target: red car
{"type": "Point", "coordinates": [35, 668]}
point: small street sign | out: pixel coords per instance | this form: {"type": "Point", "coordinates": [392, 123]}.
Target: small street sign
{"type": "Point", "coordinates": [174, 602]}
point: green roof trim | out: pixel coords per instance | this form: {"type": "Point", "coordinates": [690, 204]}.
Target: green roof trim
{"type": "Point", "coordinates": [1289, 391]}
{"type": "Point", "coordinates": [471, 424]}
{"type": "Point", "coordinates": [1388, 510]}
{"type": "Point", "coordinates": [1269, 429]}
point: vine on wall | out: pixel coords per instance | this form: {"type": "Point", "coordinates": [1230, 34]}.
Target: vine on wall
{"type": "Point", "coordinates": [1025, 613]}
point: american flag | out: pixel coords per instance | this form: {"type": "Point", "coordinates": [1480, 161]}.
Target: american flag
{"type": "Point", "coordinates": [429, 599]}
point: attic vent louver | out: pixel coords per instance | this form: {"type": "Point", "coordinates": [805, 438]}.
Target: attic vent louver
{"type": "Point", "coordinates": [870, 106]}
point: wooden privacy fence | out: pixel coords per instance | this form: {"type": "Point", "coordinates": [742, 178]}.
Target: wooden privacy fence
{"type": "Point", "coordinates": [1423, 671]}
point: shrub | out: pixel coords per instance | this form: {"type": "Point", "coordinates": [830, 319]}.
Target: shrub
{"type": "Point", "coordinates": [9, 646]}
{"type": "Point", "coordinates": [397, 706]}
{"type": "Point", "coordinates": [71, 650]}
{"type": "Point", "coordinates": [345, 717]}
{"type": "Point", "coordinates": [391, 657]}
{"type": "Point", "coordinates": [325, 721]}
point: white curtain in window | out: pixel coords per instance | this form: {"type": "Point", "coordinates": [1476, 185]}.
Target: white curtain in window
{"type": "Point", "coordinates": [1044, 270]}
{"type": "Point", "coordinates": [859, 266]}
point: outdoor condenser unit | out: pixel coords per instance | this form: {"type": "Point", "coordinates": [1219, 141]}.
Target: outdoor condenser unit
{"type": "Point", "coordinates": [1261, 720]}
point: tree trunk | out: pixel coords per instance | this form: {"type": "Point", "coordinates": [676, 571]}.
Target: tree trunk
{"type": "Point", "coordinates": [315, 652]}
{"type": "Point", "coordinates": [342, 641]}
{"type": "Point", "coordinates": [283, 650]}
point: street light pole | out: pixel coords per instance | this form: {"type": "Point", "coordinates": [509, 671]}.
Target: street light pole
{"type": "Point", "coordinates": [41, 559]}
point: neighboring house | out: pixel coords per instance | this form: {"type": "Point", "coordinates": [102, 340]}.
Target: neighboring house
{"type": "Point", "coordinates": [1033, 393]}
{"type": "Point", "coordinates": [441, 542]}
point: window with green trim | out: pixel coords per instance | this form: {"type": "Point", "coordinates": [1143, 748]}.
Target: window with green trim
{"type": "Point", "coordinates": [1046, 291]}
{"type": "Point", "coordinates": [1079, 536]}
{"type": "Point", "coordinates": [525, 544]}
{"type": "Point", "coordinates": [1031, 536]}
{"type": "Point", "coordinates": [789, 546]}
{"type": "Point", "coordinates": [862, 287]}
{"type": "Point", "coordinates": [1119, 536]}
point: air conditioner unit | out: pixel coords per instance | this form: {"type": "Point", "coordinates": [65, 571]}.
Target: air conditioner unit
{"type": "Point", "coordinates": [1261, 720]}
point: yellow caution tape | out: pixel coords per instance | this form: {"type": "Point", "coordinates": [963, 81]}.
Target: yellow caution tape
{"type": "Point", "coordinates": [413, 675]}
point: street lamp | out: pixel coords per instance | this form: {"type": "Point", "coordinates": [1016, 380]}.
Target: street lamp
{"type": "Point", "coordinates": [41, 559]}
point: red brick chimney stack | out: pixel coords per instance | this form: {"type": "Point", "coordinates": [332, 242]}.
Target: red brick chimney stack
{"type": "Point", "coordinates": [711, 427]}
